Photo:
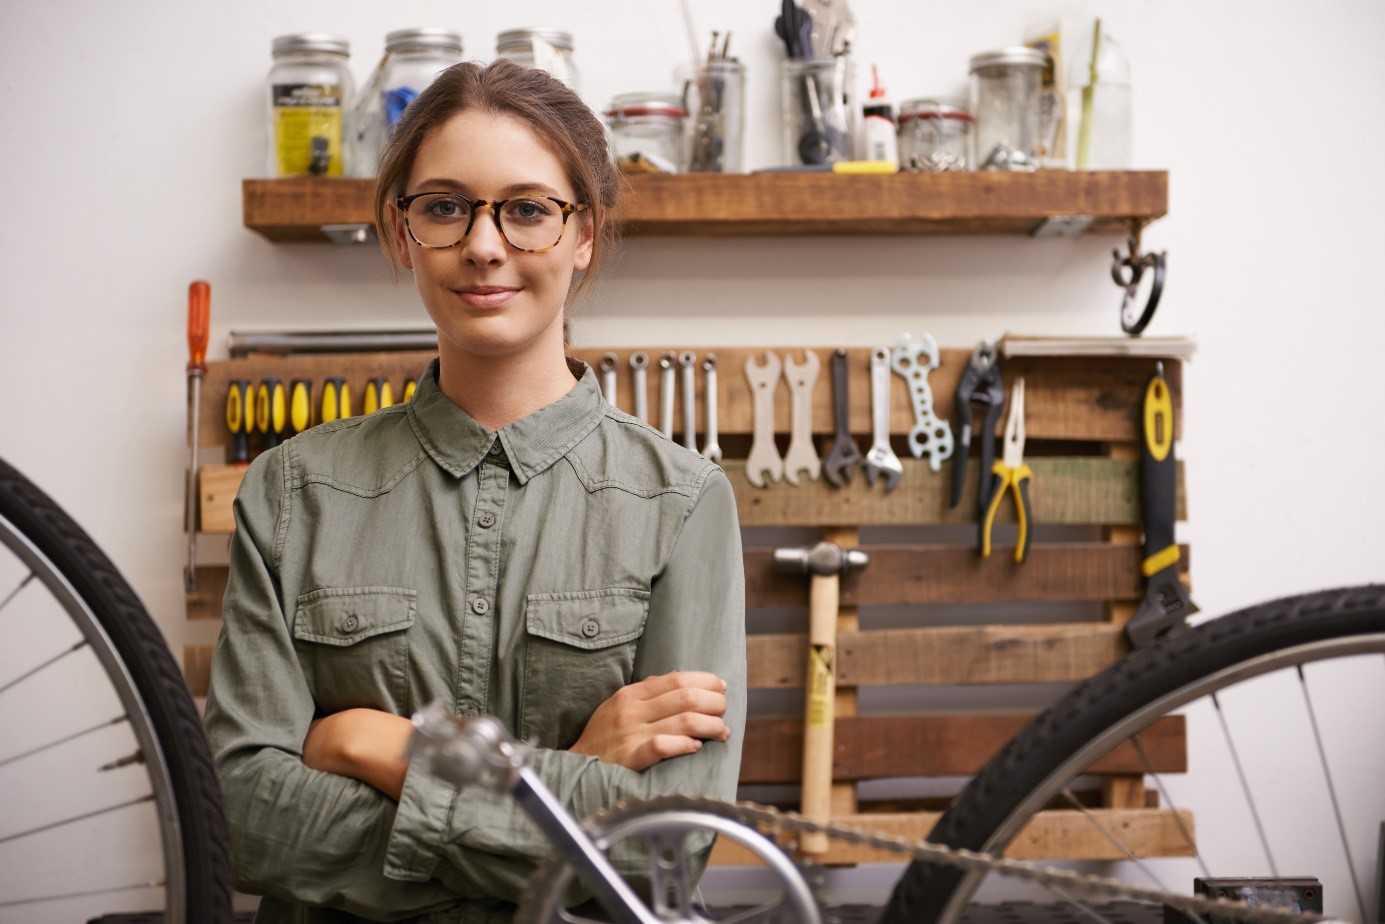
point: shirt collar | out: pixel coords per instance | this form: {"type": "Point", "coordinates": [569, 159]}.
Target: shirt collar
{"type": "Point", "coordinates": [457, 442]}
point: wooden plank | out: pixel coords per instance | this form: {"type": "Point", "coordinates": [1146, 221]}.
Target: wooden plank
{"type": "Point", "coordinates": [211, 587]}
{"type": "Point", "coordinates": [1124, 791]}
{"type": "Point", "coordinates": [884, 746]}
{"type": "Point", "coordinates": [950, 655]}
{"type": "Point", "coordinates": [1066, 398]}
{"type": "Point", "coordinates": [686, 205]}
{"type": "Point", "coordinates": [197, 668]}
{"type": "Point", "coordinates": [1051, 835]}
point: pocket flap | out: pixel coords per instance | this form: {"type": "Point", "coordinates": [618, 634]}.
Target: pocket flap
{"type": "Point", "coordinates": [588, 619]}
{"type": "Point", "coordinates": [346, 615]}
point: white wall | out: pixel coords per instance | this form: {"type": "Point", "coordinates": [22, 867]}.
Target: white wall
{"type": "Point", "coordinates": [128, 128]}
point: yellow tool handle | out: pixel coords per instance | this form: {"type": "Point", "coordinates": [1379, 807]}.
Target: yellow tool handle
{"type": "Point", "coordinates": [1002, 473]}
{"type": "Point", "coordinates": [410, 386]}
{"type": "Point", "coordinates": [370, 400]}
{"type": "Point", "coordinates": [240, 419]}
{"type": "Point", "coordinates": [1023, 511]}
{"type": "Point", "coordinates": [300, 405]}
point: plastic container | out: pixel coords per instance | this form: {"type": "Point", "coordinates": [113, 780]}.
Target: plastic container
{"type": "Point", "coordinates": [1007, 101]}
{"type": "Point", "coordinates": [818, 106]}
{"type": "Point", "coordinates": [547, 49]}
{"type": "Point", "coordinates": [412, 59]}
{"type": "Point", "coordinates": [934, 137]}
{"type": "Point", "coordinates": [647, 131]}
{"type": "Point", "coordinates": [308, 88]}
{"type": "Point", "coordinates": [1100, 129]}
{"type": "Point", "coordinates": [879, 136]}
{"type": "Point", "coordinates": [716, 104]}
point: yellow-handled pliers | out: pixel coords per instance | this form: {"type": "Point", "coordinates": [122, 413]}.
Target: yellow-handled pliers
{"type": "Point", "coordinates": [1014, 476]}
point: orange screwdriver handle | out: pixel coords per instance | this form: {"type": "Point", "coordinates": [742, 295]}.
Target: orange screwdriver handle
{"type": "Point", "coordinates": [199, 324]}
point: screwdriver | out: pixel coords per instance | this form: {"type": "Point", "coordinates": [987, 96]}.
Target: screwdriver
{"type": "Point", "coordinates": [300, 405]}
{"type": "Point", "coordinates": [199, 325]}
{"type": "Point", "coordinates": [240, 419]}
{"type": "Point", "coordinates": [336, 399]}
{"type": "Point", "coordinates": [409, 387]}
{"type": "Point", "coordinates": [271, 412]}
{"type": "Point", "coordinates": [378, 394]}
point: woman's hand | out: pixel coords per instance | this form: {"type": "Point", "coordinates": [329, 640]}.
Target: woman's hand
{"type": "Point", "coordinates": [657, 718]}
{"type": "Point", "coordinates": [365, 744]}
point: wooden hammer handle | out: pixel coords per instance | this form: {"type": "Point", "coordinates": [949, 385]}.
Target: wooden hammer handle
{"type": "Point", "coordinates": [819, 710]}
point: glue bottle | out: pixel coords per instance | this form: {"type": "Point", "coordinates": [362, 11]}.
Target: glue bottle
{"type": "Point", "coordinates": [880, 131]}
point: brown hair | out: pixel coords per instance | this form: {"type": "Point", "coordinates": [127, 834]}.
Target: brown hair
{"type": "Point", "coordinates": [553, 111]}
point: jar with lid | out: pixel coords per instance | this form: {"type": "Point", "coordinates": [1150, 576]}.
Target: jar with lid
{"type": "Point", "coordinates": [716, 140]}
{"type": "Point", "coordinates": [647, 131]}
{"type": "Point", "coordinates": [412, 59]}
{"type": "Point", "coordinates": [934, 136]}
{"type": "Point", "coordinates": [818, 109]}
{"type": "Point", "coordinates": [1007, 103]}
{"type": "Point", "coordinates": [547, 49]}
{"type": "Point", "coordinates": [309, 87]}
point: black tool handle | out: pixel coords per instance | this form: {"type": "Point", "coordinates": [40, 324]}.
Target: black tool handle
{"type": "Point", "coordinates": [1158, 469]}
{"type": "Point", "coordinates": [839, 396]}
{"type": "Point", "coordinates": [1024, 513]}
{"type": "Point", "coordinates": [987, 485]}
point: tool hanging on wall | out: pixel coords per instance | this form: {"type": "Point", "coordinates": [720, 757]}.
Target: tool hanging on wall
{"type": "Point", "coordinates": [639, 362]}
{"type": "Point", "coordinates": [199, 329]}
{"type": "Point", "coordinates": [763, 461]}
{"type": "Point", "coordinates": [609, 385]}
{"type": "Point", "coordinates": [912, 361]}
{"type": "Point", "coordinates": [801, 378]}
{"type": "Point", "coordinates": [240, 420]}
{"type": "Point", "coordinates": [1127, 272]}
{"type": "Point", "coordinates": [378, 394]}
{"type": "Point", "coordinates": [300, 405]}
{"type": "Point", "coordinates": [1166, 605]}
{"type": "Point", "coordinates": [1014, 476]}
{"type": "Point", "coordinates": [687, 361]}
{"type": "Point", "coordinates": [845, 456]}
{"type": "Point", "coordinates": [981, 384]}
{"type": "Point", "coordinates": [336, 399]}
{"type": "Point", "coordinates": [666, 385]}
{"type": "Point", "coordinates": [880, 459]}
{"type": "Point", "coordinates": [271, 412]}
{"type": "Point", "coordinates": [711, 449]}
{"type": "Point", "coordinates": [410, 386]}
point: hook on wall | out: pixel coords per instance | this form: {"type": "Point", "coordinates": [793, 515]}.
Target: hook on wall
{"type": "Point", "coordinates": [1127, 272]}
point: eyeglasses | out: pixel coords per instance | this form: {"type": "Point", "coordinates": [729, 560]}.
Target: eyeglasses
{"type": "Point", "coordinates": [531, 224]}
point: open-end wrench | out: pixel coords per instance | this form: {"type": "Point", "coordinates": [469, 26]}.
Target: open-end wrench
{"type": "Point", "coordinates": [845, 456]}
{"type": "Point", "coordinates": [608, 378]}
{"type": "Point", "coordinates": [710, 449]}
{"type": "Point", "coordinates": [764, 455]}
{"type": "Point", "coordinates": [913, 360]}
{"type": "Point", "coordinates": [801, 457]}
{"type": "Point", "coordinates": [638, 363]}
{"type": "Point", "coordinates": [881, 460]}
{"type": "Point", "coordinates": [666, 394]}
{"type": "Point", "coordinates": [687, 361]}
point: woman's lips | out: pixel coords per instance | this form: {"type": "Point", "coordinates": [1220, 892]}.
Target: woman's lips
{"type": "Point", "coordinates": [487, 296]}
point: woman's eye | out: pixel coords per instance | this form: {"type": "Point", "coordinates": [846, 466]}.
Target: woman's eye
{"type": "Point", "coordinates": [528, 210]}
{"type": "Point", "coordinates": [444, 208]}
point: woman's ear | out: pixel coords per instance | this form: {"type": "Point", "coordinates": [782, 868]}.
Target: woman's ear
{"type": "Point", "coordinates": [399, 237]}
{"type": "Point", "coordinates": [582, 256]}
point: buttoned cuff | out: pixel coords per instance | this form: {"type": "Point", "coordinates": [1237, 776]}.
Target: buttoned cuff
{"type": "Point", "coordinates": [412, 851]}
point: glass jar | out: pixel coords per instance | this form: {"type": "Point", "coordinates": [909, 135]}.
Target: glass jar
{"type": "Point", "coordinates": [1100, 134]}
{"type": "Point", "coordinates": [716, 142]}
{"type": "Point", "coordinates": [647, 132]}
{"type": "Point", "coordinates": [547, 49]}
{"type": "Point", "coordinates": [412, 59]}
{"type": "Point", "coordinates": [309, 86]}
{"type": "Point", "coordinates": [818, 101]}
{"type": "Point", "coordinates": [1007, 103]}
{"type": "Point", "coordinates": [934, 136]}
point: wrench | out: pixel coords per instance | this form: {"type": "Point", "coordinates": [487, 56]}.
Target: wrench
{"type": "Point", "coordinates": [881, 460]}
{"type": "Point", "coordinates": [608, 378]}
{"type": "Point", "coordinates": [638, 363]}
{"type": "Point", "coordinates": [764, 455]}
{"type": "Point", "coordinates": [710, 449]}
{"type": "Point", "coordinates": [913, 360]}
{"type": "Point", "coordinates": [688, 362]}
{"type": "Point", "coordinates": [845, 456]}
{"type": "Point", "coordinates": [666, 394]}
{"type": "Point", "coordinates": [801, 455]}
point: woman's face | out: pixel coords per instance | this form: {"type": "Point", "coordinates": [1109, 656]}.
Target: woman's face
{"type": "Point", "coordinates": [485, 296]}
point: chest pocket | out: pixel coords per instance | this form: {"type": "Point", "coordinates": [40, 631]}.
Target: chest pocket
{"type": "Point", "coordinates": [579, 648]}
{"type": "Point", "coordinates": [354, 648]}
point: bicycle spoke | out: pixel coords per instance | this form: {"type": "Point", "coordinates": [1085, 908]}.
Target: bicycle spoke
{"type": "Point", "coordinates": [63, 896]}
{"type": "Point", "coordinates": [74, 819]}
{"type": "Point", "coordinates": [1331, 790]}
{"type": "Point", "coordinates": [14, 593]}
{"type": "Point", "coordinates": [49, 663]}
{"type": "Point", "coordinates": [136, 758]}
{"type": "Point", "coordinates": [669, 876]}
{"type": "Point", "coordinates": [1245, 786]}
{"type": "Point", "coordinates": [1177, 817]}
{"type": "Point", "coordinates": [63, 740]}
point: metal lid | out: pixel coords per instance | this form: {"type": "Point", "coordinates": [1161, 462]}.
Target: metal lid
{"type": "Point", "coordinates": [926, 108]}
{"type": "Point", "coordinates": [1015, 56]}
{"type": "Point", "coordinates": [646, 103]}
{"type": "Point", "coordinates": [424, 39]}
{"type": "Point", "coordinates": [299, 42]}
{"type": "Point", "coordinates": [558, 38]}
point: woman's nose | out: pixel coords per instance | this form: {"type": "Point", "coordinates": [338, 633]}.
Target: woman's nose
{"type": "Point", "coordinates": [484, 245]}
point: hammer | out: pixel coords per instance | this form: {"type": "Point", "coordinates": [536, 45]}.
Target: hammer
{"type": "Point", "coordinates": [825, 562]}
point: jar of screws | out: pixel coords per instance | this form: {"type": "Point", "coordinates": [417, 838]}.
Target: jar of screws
{"type": "Point", "coordinates": [716, 99]}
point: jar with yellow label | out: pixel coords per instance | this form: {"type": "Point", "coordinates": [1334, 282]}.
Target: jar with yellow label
{"type": "Point", "coordinates": [309, 87]}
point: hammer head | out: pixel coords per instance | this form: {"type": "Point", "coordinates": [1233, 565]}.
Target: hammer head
{"type": "Point", "coordinates": [825, 558]}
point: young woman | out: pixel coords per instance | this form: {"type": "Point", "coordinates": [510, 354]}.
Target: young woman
{"type": "Point", "coordinates": [507, 542]}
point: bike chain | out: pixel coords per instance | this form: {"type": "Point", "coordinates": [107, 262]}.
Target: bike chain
{"type": "Point", "coordinates": [773, 822]}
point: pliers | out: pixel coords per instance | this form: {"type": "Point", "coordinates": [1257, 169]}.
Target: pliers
{"type": "Point", "coordinates": [1012, 475]}
{"type": "Point", "coordinates": [981, 384]}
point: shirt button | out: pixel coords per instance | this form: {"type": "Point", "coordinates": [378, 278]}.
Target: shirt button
{"type": "Point", "coordinates": [480, 606]}
{"type": "Point", "coordinates": [350, 623]}
{"type": "Point", "coordinates": [486, 520]}
{"type": "Point", "coordinates": [497, 450]}
{"type": "Point", "coordinates": [590, 628]}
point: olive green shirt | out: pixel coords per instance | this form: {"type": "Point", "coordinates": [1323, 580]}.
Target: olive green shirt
{"type": "Point", "coordinates": [530, 572]}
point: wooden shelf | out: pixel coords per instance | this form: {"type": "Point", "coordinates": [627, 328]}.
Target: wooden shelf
{"type": "Point", "coordinates": [706, 205]}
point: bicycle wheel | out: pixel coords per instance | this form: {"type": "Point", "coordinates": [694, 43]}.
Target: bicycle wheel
{"type": "Point", "coordinates": [54, 554]}
{"type": "Point", "coordinates": [1035, 768]}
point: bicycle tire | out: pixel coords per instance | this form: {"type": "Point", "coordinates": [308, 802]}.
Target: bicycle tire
{"type": "Point", "coordinates": [159, 684]}
{"type": "Point", "coordinates": [988, 805]}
